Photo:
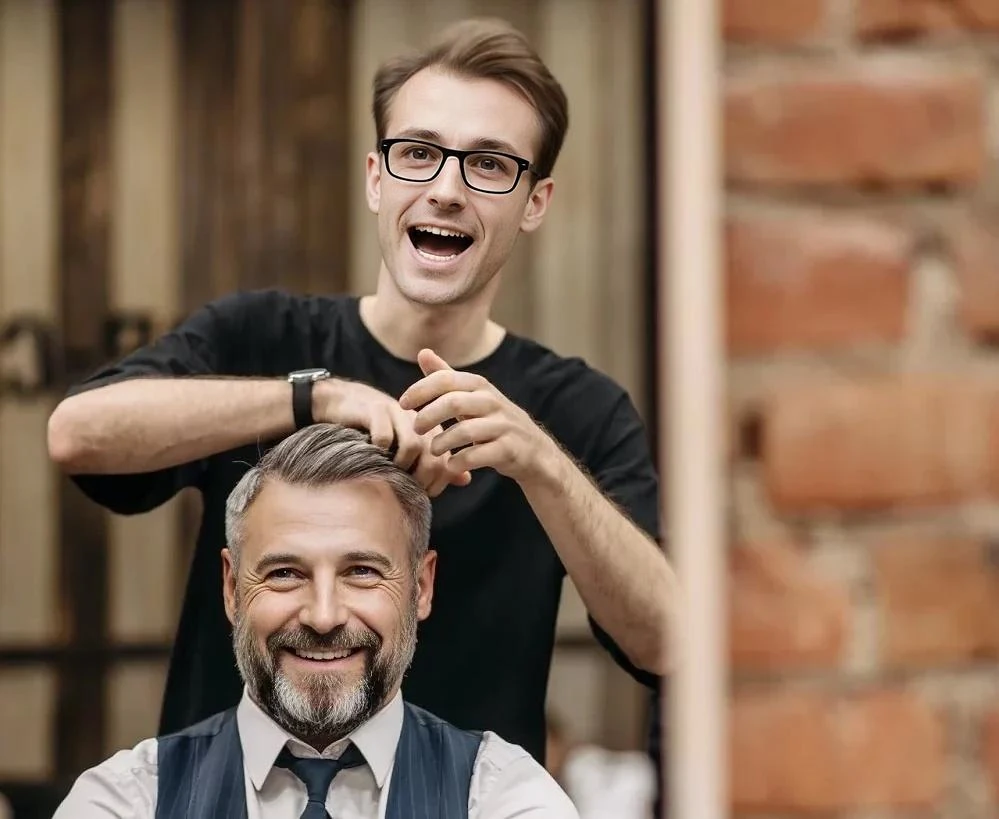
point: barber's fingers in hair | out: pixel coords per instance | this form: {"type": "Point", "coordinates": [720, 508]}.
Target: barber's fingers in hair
{"type": "Point", "coordinates": [429, 471]}
{"type": "Point", "coordinates": [380, 428]}
{"type": "Point", "coordinates": [448, 478]}
{"type": "Point", "coordinates": [408, 445]}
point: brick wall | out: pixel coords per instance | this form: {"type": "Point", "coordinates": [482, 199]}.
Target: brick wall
{"type": "Point", "coordinates": [862, 158]}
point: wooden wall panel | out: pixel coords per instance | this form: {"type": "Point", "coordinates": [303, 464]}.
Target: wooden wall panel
{"type": "Point", "coordinates": [568, 270]}
{"type": "Point", "coordinates": [85, 223]}
{"type": "Point", "coordinates": [133, 697]}
{"type": "Point", "coordinates": [29, 609]}
{"type": "Point", "coordinates": [209, 260]}
{"type": "Point", "coordinates": [320, 38]}
{"type": "Point", "coordinates": [143, 560]}
{"type": "Point", "coordinates": [627, 340]}
{"type": "Point", "coordinates": [27, 705]}
{"type": "Point", "coordinates": [264, 88]}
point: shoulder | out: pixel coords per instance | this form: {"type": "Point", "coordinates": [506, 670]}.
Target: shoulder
{"type": "Point", "coordinates": [275, 303]}
{"type": "Point", "coordinates": [546, 368]}
{"type": "Point", "coordinates": [122, 786]}
{"type": "Point", "coordinates": [578, 403]}
{"type": "Point", "coordinates": [508, 781]}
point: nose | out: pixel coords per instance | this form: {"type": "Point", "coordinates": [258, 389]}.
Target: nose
{"type": "Point", "coordinates": [324, 610]}
{"type": "Point", "coordinates": [447, 190]}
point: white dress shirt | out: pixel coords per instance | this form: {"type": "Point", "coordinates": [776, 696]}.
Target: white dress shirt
{"type": "Point", "coordinates": [506, 781]}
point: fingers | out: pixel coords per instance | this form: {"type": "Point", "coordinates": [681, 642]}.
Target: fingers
{"type": "Point", "coordinates": [430, 362]}
{"type": "Point", "coordinates": [464, 433]}
{"type": "Point", "coordinates": [437, 384]}
{"type": "Point", "coordinates": [409, 444]}
{"type": "Point", "coordinates": [380, 428]}
{"type": "Point", "coordinates": [454, 405]}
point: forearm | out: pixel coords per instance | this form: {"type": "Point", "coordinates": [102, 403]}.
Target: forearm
{"type": "Point", "coordinates": [623, 578]}
{"type": "Point", "coordinates": [146, 424]}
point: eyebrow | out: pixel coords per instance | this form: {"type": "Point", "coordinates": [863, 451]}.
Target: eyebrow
{"type": "Point", "coordinates": [479, 144]}
{"type": "Point", "coordinates": [357, 556]}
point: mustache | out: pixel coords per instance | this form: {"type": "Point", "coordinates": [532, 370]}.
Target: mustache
{"type": "Point", "coordinates": [340, 639]}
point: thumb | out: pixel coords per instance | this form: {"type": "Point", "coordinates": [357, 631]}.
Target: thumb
{"type": "Point", "coordinates": [430, 362]}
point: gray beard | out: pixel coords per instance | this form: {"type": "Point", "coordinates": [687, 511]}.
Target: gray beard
{"type": "Point", "coordinates": [323, 708]}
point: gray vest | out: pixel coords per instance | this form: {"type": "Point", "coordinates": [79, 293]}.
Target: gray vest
{"type": "Point", "coordinates": [201, 770]}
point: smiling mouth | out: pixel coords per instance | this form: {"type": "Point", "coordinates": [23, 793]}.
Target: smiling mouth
{"type": "Point", "coordinates": [324, 656]}
{"type": "Point", "coordinates": [439, 244]}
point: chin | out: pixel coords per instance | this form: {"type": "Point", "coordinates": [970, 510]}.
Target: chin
{"type": "Point", "coordinates": [420, 288]}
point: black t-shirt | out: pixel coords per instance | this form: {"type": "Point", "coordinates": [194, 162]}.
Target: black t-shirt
{"type": "Point", "coordinates": [483, 655]}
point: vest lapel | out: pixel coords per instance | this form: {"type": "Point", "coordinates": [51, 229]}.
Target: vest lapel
{"type": "Point", "coordinates": [219, 787]}
{"type": "Point", "coordinates": [201, 772]}
{"type": "Point", "coordinates": [433, 769]}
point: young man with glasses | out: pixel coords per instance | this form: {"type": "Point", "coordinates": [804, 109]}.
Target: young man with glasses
{"type": "Point", "coordinates": [538, 465]}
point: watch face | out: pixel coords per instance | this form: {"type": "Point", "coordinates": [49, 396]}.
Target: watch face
{"type": "Point", "coordinates": [312, 374]}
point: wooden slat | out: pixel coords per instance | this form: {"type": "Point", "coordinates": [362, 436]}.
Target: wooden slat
{"type": "Point", "coordinates": [321, 57]}
{"type": "Point", "coordinates": [208, 229]}
{"type": "Point", "coordinates": [133, 702]}
{"type": "Point", "coordinates": [256, 69]}
{"type": "Point", "coordinates": [85, 72]}
{"type": "Point", "coordinates": [623, 178]}
{"type": "Point", "coordinates": [144, 280]}
{"type": "Point", "coordinates": [29, 610]}
{"type": "Point", "coordinates": [567, 284]}
{"type": "Point", "coordinates": [27, 703]}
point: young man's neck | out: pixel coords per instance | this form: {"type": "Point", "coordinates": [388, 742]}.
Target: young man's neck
{"type": "Point", "coordinates": [460, 334]}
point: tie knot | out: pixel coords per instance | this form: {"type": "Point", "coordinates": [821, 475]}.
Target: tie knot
{"type": "Point", "coordinates": [318, 774]}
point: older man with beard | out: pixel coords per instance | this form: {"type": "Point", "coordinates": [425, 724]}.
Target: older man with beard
{"type": "Point", "coordinates": [326, 574]}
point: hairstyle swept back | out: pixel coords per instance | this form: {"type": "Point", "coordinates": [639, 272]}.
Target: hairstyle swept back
{"type": "Point", "coordinates": [484, 48]}
{"type": "Point", "coordinates": [323, 455]}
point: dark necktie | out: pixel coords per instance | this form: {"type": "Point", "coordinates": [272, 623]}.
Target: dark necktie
{"type": "Point", "coordinates": [317, 774]}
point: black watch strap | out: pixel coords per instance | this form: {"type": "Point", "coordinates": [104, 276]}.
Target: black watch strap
{"type": "Point", "coordinates": [301, 403]}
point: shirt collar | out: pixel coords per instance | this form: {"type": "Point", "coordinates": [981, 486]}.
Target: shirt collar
{"type": "Point", "coordinates": [262, 740]}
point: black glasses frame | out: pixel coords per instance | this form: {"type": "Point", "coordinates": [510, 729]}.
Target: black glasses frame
{"type": "Point", "coordinates": [523, 165]}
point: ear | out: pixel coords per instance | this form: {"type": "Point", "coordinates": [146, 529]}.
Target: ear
{"type": "Point", "coordinates": [229, 585]}
{"type": "Point", "coordinates": [425, 585]}
{"type": "Point", "coordinates": [537, 205]}
{"type": "Point", "coordinates": [373, 181]}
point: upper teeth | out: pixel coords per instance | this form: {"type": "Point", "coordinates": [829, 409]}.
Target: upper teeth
{"type": "Point", "coordinates": [323, 655]}
{"type": "Point", "coordinates": [441, 231]}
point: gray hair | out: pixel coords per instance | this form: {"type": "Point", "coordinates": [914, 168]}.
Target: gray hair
{"type": "Point", "coordinates": [322, 455]}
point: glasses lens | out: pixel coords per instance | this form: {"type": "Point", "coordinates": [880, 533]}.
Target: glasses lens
{"type": "Point", "coordinates": [414, 160]}
{"type": "Point", "coordinates": [490, 172]}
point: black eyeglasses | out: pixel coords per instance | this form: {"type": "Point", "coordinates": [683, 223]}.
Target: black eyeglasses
{"type": "Point", "coordinates": [413, 160]}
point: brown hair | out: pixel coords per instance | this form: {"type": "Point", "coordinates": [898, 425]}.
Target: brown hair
{"type": "Point", "coordinates": [484, 48]}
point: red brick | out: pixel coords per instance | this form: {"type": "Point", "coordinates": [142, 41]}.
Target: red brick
{"type": "Point", "coordinates": [813, 752]}
{"type": "Point", "coordinates": [777, 22]}
{"type": "Point", "coordinates": [976, 257]}
{"type": "Point", "coordinates": [782, 614]}
{"type": "Point", "coordinates": [890, 122]}
{"type": "Point", "coordinates": [906, 18]}
{"type": "Point", "coordinates": [990, 750]}
{"type": "Point", "coordinates": [877, 442]}
{"type": "Point", "coordinates": [938, 602]}
{"type": "Point", "coordinates": [815, 282]}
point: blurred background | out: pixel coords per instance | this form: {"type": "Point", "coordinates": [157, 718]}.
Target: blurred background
{"type": "Point", "coordinates": [155, 154]}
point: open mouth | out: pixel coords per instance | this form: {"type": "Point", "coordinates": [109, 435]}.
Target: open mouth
{"type": "Point", "coordinates": [439, 244]}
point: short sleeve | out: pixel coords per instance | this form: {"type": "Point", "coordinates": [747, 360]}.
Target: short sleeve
{"type": "Point", "coordinates": [202, 345]}
{"type": "Point", "coordinates": [623, 469]}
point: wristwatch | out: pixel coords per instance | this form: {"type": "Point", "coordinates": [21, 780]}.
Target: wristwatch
{"type": "Point", "coordinates": [301, 393]}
